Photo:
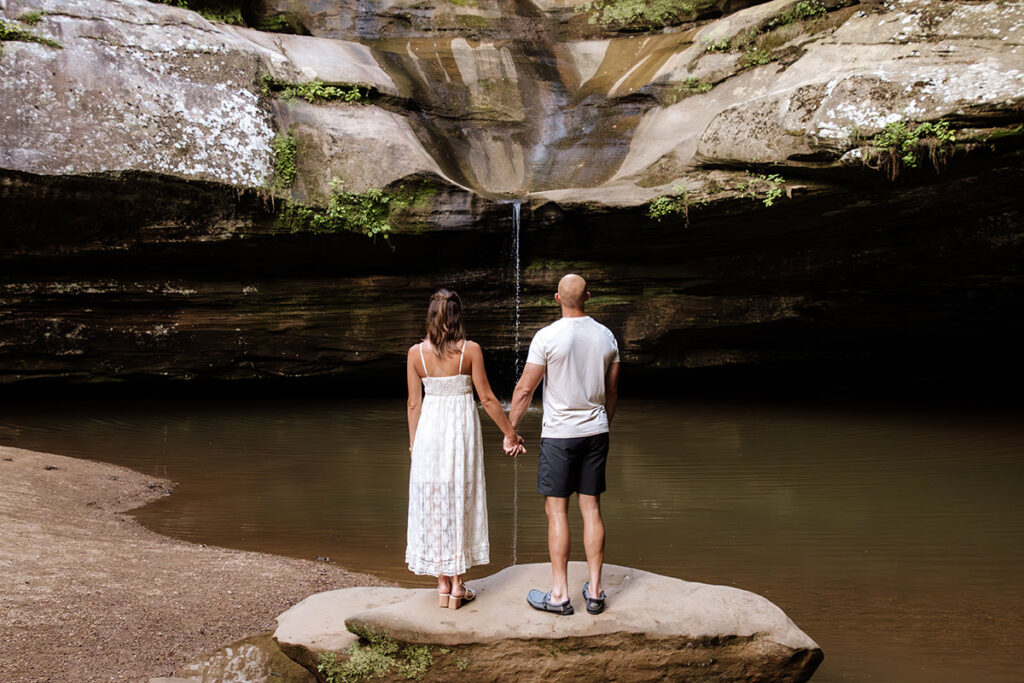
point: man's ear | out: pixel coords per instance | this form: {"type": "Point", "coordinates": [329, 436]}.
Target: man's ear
{"type": "Point", "coordinates": [558, 299]}
{"type": "Point", "coordinates": [586, 296]}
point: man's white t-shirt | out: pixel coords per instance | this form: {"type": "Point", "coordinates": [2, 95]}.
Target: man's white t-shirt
{"type": "Point", "coordinates": [576, 353]}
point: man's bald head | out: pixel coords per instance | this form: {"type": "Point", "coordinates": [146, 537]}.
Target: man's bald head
{"type": "Point", "coordinates": [572, 291]}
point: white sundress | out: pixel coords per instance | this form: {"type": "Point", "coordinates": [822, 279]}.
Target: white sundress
{"type": "Point", "coordinates": [447, 531]}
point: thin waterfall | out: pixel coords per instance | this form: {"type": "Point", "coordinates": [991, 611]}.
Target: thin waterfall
{"type": "Point", "coordinates": [516, 209]}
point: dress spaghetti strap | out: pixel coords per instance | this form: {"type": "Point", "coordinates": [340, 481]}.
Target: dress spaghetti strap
{"type": "Point", "coordinates": [424, 361]}
{"type": "Point", "coordinates": [461, 354]}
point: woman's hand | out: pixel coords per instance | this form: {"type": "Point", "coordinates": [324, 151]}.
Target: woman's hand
{"type": "Point", "coordinates": [513, 445]}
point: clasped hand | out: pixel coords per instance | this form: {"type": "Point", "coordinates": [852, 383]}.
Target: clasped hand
{"type": "Point", "coordinates": [513, 445]}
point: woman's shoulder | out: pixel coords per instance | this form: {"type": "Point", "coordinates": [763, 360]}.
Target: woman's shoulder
{"type": "Point", "coordinates": [473, 347]}
{"type": "Point", "coordinates": [415, 348]}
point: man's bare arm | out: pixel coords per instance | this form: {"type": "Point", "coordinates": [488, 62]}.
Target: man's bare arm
{"type": "Point", "coordinates": [611, 390]}
{"type": "Point", "coordinates": [523, 394]}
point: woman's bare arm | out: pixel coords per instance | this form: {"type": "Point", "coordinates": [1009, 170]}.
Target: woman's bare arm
{"type": "Point", "coordinates": [483, 390]}
{"type": "Point", "coordinates": [415, 392]}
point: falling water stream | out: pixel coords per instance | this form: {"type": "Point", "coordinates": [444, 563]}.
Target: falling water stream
{"type": "Point", "coordinates": [516, 210]}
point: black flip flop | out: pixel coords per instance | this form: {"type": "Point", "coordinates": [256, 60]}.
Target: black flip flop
{"type": "Point", "coordinates": [542, 601]}
{"type": "Point", "coordinates": [594, 605]}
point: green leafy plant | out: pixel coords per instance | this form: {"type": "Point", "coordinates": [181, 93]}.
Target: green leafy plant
{"type": "Point", "coordinates": [370, 213]}
{"type": "Point", "coordinates": [776, 186]}
{"type": "Point", "coordinates": [375, 656]}
{"type": "Point", "coordinates": [318, 91]}
{"type": "Point", "coordinates": [717, 45]}
{"type": "Point", "coordinates": [314, 92]}
{"type": "Point", "coordinates": [900, 145]}
{"type": "Point", "coordinates": [285, 148]}
{"type": "Point", "coordinates": [756, 56]}
{"type": "Point", "coordinates": [767, 188]}
{"type": "Point", "coordinates": [677, 203]}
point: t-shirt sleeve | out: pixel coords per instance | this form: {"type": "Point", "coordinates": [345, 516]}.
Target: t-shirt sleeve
{"type": "Point", "coordinates": [538, 351]}
{"type": "Point", "coordinates": [615, 347]}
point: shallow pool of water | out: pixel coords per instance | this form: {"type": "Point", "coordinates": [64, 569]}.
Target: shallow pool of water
{"type": "Point", "coordinates": [894, 538]}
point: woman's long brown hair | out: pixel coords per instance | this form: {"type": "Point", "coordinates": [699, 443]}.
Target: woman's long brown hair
{"type": "Point", "coordinates": [444, 322]}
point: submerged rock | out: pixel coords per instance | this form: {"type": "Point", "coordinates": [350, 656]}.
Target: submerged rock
{"type": "Point", "coordinates": [256, 659]}
{"type": "Point", "coordinates": [654, 628]}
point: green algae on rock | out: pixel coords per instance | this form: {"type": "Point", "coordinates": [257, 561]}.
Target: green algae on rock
{"type": "Point", "coordinates": [9, 33]}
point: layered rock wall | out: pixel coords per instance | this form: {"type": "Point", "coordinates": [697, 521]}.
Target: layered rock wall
{"type": "Point", "coordinates": [143, 195]}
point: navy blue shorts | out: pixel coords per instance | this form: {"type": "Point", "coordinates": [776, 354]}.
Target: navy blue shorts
{"type": "Point", "coordinates": [568, 466]}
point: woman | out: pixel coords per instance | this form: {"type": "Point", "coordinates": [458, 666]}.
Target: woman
{"type": "Point", "coordinates": [447, 496]}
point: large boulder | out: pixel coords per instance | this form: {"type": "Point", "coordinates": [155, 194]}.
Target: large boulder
{"type": "Point", "coordinates": [654, 628]}
{"type": "Point", "coordinates": [140, 86]}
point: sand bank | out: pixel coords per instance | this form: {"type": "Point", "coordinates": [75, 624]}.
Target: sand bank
{"type": "Point", "coordinates": [88, 594]}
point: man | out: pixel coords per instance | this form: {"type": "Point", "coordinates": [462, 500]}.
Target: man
{"type": "Point", "coordinates": [578, 359]}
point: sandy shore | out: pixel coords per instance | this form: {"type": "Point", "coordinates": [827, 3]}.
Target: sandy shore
{"type": "Point", "coordinates": [88, 594]}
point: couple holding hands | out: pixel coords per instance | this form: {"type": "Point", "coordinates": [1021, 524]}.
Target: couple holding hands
{"type": "Point", "coordinates": [578, 359]}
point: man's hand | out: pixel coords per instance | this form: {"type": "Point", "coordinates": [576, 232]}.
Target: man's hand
{"type": "Point", "coordinates": [513, 445]}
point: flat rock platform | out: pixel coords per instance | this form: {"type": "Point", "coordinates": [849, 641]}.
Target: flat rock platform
{"type": "Point", "coordinates": [654, 628]}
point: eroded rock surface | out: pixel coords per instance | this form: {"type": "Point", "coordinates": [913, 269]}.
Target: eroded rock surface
{"type": "Point", "coordinates": [142, 235]}
{"type": "Point", "coordinates": [654, 628]}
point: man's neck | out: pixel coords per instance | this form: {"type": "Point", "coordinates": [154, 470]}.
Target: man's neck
{"type": "Point", "coordinates": [573, 313]}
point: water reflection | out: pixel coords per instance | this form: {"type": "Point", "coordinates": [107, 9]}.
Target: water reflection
{"type": "Point", "coordinates": [895, 540]}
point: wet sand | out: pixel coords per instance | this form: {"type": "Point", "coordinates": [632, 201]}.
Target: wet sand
{"type": "Point", "coordinates": [88, 594]}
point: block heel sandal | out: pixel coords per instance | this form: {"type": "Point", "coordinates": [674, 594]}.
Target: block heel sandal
{"type": "Point", "coordinates": [457, 601]}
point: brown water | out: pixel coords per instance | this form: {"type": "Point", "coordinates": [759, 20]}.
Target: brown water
{"type": "Point", "coordinates": [893, 538]}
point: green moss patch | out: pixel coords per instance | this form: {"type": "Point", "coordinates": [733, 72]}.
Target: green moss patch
{"type": "Point", "coordinates": [676, 92]}
{"type": "Point", "coordinates": [471, 22]}
{"type": "Point", "coordinates": [31, 18]}
{"type": "Point", "coordinates": [285, 148]}
{"type": "Point", "coordinates": [15, 34]}
{"type": "Point", "coordinates": [280, 23]}
{"type": "Point", "coordinates": [801, 11]}
{"type": "Point", "coordinates": [1003, 133]}
{"type": "Point", "coordinates": [223, 11]}
{"type": "Point", "coordinates": [643, 14]}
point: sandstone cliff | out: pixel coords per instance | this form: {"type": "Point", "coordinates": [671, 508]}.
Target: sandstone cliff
{"type": "Point", "coordinates": [837, 184]}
